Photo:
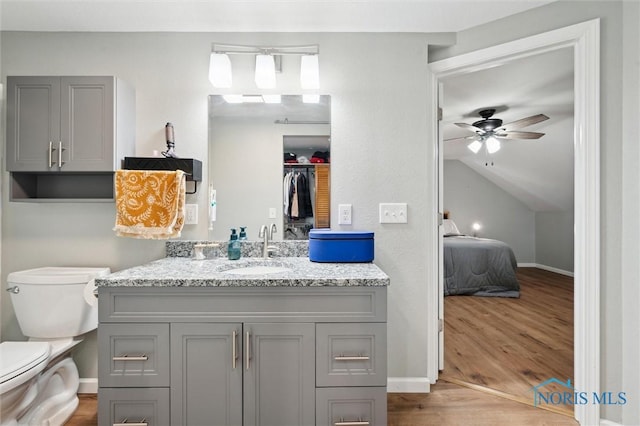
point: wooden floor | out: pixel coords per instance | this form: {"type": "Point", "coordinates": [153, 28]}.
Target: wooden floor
{"type": "Point", "coordinates": [511, 345]}
{"type": "Point", "coordinates": [447, 405]}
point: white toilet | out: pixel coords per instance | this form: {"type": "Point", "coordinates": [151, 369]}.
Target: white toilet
{"type": "Point", "coordinates": [54, 307]}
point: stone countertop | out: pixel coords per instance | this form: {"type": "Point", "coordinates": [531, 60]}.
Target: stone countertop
{"type": "Point", "coordinates": [214, 272]}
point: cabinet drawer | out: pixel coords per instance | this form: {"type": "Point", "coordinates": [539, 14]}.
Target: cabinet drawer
{"type": "Point", "coordinates": [133, 355]}
{"type": "Point", "coordinates": [351, 354]}
{"type": "Point", "coordinates": [353, 406]}
{"type": "Point", "coordinates": [134, 406]}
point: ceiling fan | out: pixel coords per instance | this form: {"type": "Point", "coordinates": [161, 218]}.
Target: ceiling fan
{"type": "Point", "coordinates": [489, 131]}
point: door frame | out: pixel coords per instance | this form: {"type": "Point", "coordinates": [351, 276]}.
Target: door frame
{"type": "Point", "coordinates": [584, 39]}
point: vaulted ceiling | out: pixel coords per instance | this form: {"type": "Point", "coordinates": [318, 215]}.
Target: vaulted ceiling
{"type": "Point", "coordinates": [539, 172]}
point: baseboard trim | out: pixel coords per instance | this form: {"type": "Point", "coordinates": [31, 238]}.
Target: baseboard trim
{"type": "Point", "coordinates": [605, 422]}
{"type": "Point", "coordinates": [88, 386]}
{"type": "Point", "coordinates": [408, 385]}
{"type": "Point", "coordinates": [546, 268]}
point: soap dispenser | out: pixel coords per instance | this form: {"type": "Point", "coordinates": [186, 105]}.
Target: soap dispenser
{"type": "Point", "coordinates": [233, 248]}
{"type": "Point", "coordinates": [243, 233]}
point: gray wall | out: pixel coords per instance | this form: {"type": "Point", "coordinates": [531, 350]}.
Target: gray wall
{"type": "Point", "coordinates": [471, 198]}
{"type": "Point", "coordinates": [620, 245]}
{"type": "Point", "coordinates": [554, 239]}
{"type": "Point", "coordinates": [376, 119]}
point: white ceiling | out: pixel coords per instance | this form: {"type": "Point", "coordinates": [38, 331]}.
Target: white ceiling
{"type": "Point", "coordinates": [256, 15]}
{"type": "Point", "coordinates": [538, 172]}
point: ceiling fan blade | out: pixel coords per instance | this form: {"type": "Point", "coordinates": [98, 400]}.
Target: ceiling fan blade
{"type": "Point", "coordinates": [520, 135]}
{"type": "Point", "coordinates": [523, 122]}
{"type": "Point", "coordinates": [470, 128]}
{"type": "Point", "coordinates": [465, 138]}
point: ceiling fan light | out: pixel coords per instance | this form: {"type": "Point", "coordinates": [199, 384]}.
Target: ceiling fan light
{"type": "Point", "coordinates": [475, 146]}
{"type": "Point", "coordinates": [309, 72]}
{"type": "Point", "coordinates": [265, 72]}
{"type": "Point", "coordinates": [220, 70]}
{"type": "Point", "coordinates": [493, 145]}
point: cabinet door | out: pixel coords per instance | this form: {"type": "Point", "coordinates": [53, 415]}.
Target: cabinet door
{"type": "Point", "coordinates": [206, 374]}
{"type": "Point", "coordinates": [33, 123]}
{"type": "Point", "coordinates": [87, 124]}
{"type": "Point", "coordinates": [279, 374]}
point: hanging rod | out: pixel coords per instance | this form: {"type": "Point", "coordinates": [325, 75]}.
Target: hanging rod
{"type": "Point", "coordinates": [287, 121]}
{"type": "Point", "coordinates": [236, 49]}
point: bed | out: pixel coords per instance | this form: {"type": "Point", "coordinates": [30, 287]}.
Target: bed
{"type": "Point", "coordinates": [478, 266]}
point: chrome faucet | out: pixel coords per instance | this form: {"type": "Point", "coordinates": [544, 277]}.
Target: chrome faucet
{"type": "Point", "coordinates": [266, 233]}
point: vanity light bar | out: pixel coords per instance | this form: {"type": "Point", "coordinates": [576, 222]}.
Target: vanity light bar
{"type": "Point", "coordinates": [236, 49]}
{"type": "Point", "coordinates": [268, 61]}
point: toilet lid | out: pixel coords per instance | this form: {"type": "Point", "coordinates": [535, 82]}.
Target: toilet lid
{"type": "Point", "coordinates": [19, 357]}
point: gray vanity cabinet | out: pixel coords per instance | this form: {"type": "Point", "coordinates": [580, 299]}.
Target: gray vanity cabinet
{"type": "Point", "coordinates": [249, 356]}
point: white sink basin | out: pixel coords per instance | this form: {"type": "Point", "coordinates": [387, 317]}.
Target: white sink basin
{"type": "Point", "coordinates": [258, 270]}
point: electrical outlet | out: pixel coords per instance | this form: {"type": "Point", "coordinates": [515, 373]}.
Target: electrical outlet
{"type": "Point", "coordinates": [344, 214]}
{"type": "Point", "coordinates": [272, 212]}
{"type": "Point", "coordinates": [393, 212]}
{"type": "Point", "coordinates": [191, 214]}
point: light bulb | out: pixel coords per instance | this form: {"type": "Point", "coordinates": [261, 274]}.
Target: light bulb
{"type": "Point", "coordinates": [475, 146]}
{"type": "Point", "coordinates": [220, 70]}
{"type": "Point", "coordinates": [493, 144]}
{"type": "Point", "coordinates": [265, 72]}
{"type": "Point", "coordinates": [309, 72]}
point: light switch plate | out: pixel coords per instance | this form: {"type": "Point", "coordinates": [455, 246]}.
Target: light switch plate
{"type": "Point", "coordinates": [393, 213]}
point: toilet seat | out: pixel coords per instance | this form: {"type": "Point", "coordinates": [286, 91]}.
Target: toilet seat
{"type": "Point", "coordinates": [21, 361]}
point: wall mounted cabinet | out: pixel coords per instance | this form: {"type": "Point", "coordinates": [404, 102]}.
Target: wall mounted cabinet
{"type": "Point", "coordinates": [61, 130]}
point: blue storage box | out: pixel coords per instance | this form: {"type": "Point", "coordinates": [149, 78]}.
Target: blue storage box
{"type": "Point", "coordinates": [340, 246]}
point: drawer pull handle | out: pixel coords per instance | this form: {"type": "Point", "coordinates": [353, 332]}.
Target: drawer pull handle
{"type": "Point", "coordinates": [130, 358]}
{"type": "Point", "coordinates": [248, 349]}
{"type": "Point", "coordinates": [234, 350]}
{"type": "Point", "coordinates": [352, 423]}
{"type": "Point", "coordinates": [142, 422]}
{"type": "Point", "coordinates": [60, 149]}
{"type": "Point", "coordinates": [351, 358]}
{"type": "Point", "coordinates": [51, 149]}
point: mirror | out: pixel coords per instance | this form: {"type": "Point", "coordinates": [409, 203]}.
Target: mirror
{"type": "Point", "coordinates": [247, 169]}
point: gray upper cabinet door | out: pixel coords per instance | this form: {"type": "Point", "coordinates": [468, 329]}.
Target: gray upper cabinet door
{"type": "Point", "coordinates": [279, 382]}
{"type": "Point", "coordinates": [68, 124]}
{"type": "Point", "coordinates": [87, 125]}
{"type": "Point", "coordinates": [33, 123]}
{"type": "Point", "coordinates": [206, 374]}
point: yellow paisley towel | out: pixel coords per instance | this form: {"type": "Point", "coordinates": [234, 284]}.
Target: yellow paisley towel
{"type": "Point", "coordinates": [149, 203]}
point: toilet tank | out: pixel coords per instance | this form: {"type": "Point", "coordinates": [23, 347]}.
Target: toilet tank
{"type": "Point", "coordinates": [55, 302]}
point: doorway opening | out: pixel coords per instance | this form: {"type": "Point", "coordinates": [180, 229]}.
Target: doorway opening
{"type": "Point", "coordinates": [584, 41]}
